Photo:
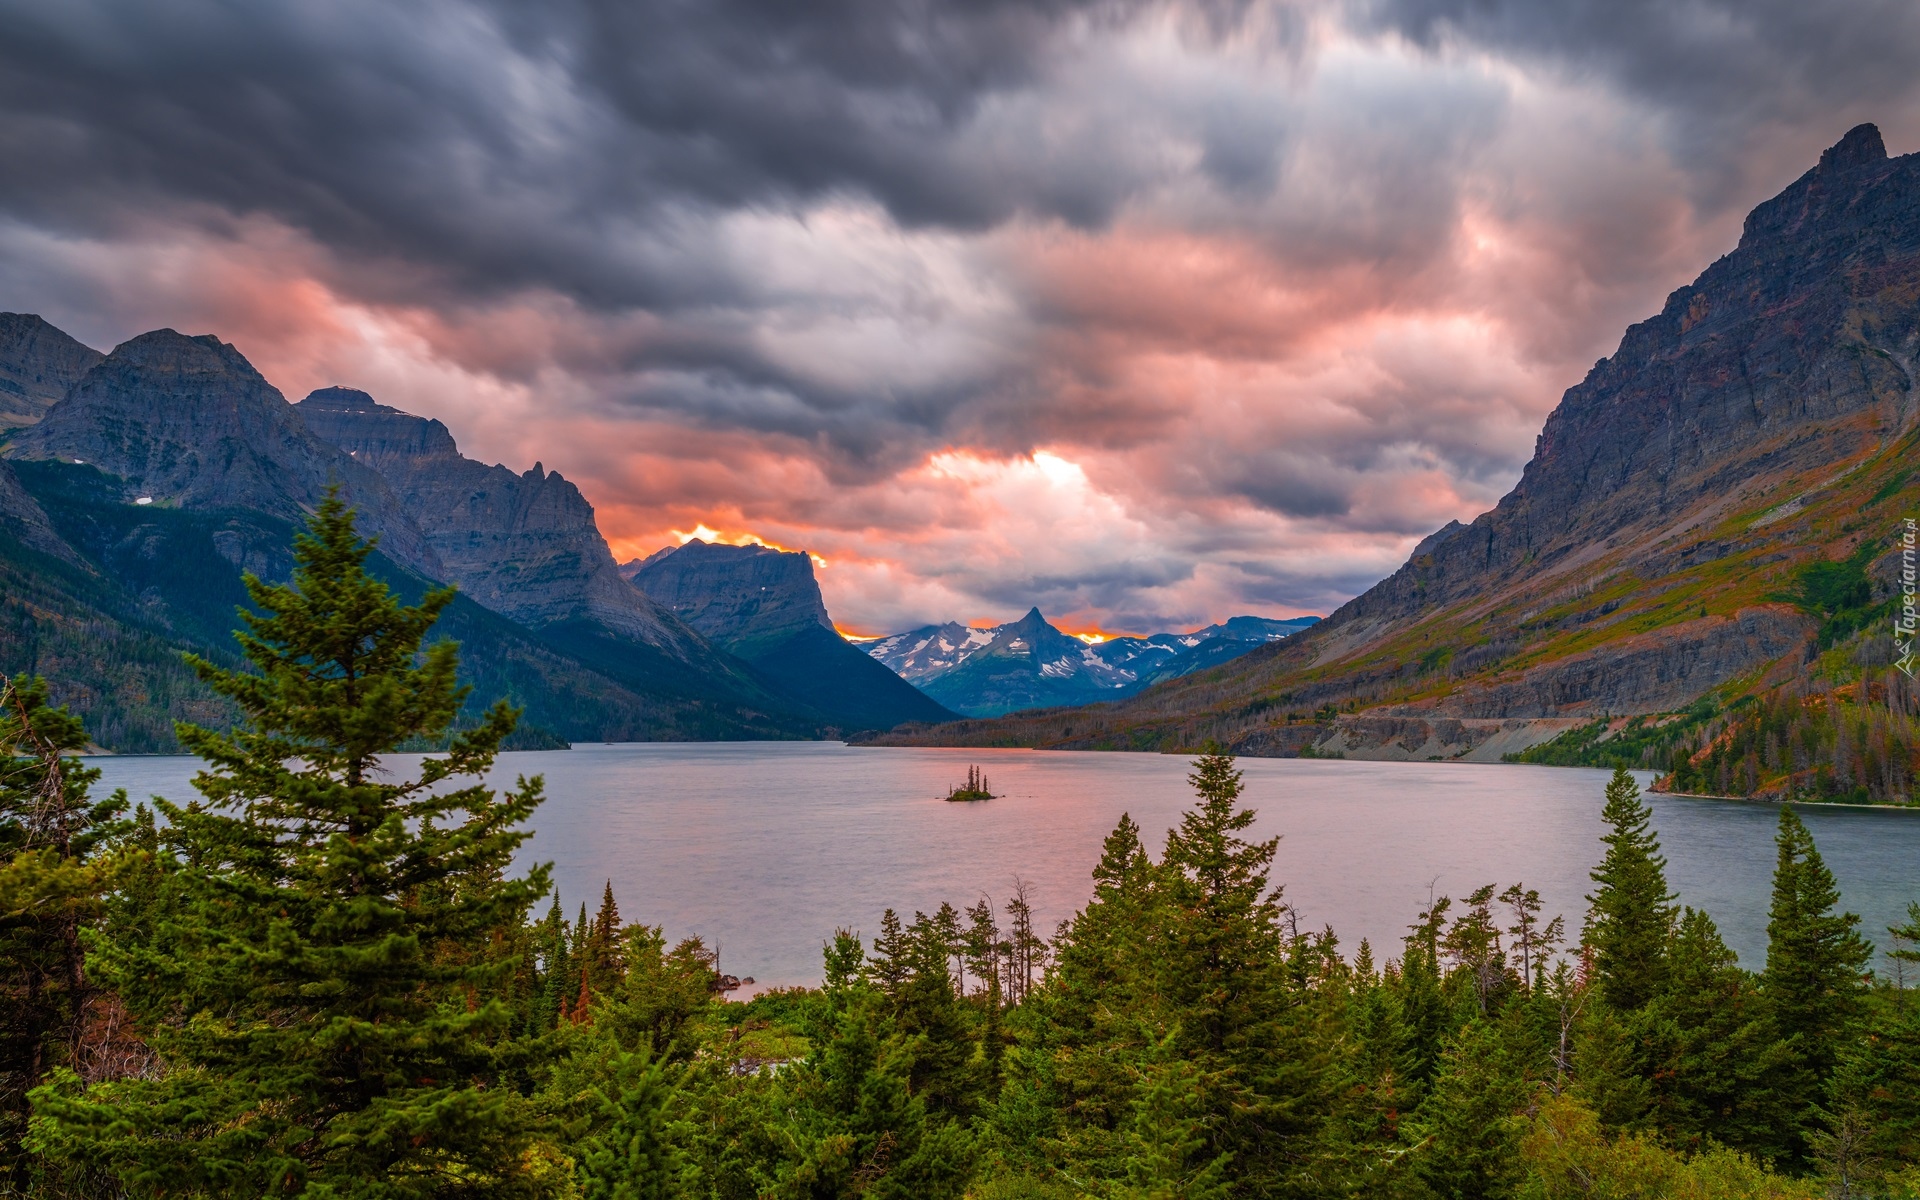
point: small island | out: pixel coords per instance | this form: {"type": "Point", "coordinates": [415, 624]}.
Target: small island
{"type": "Point", "coordinates": [975, 788]}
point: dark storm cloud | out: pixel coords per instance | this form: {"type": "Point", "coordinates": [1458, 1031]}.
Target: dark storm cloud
{"type": "Point", "coordinates": [514, 146]}
{"type": "Point", "coordinates": [455, 154]}
{"type": "Point", "coordinates": [1724, 73]}
{"type": "Point", "coordinates": [740, 99]}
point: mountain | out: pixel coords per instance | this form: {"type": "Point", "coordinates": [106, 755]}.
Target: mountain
{"type": "Point", "coordinates": [187, 422]}
{"type": "Point", "coordinates": [1029, 664]}
{"type": "Point", "coordinates": [130, 509]}
{"type": "Point", "coordinates": [524, 545]}
{"type": "Point", "coordinates": [38, 363]}
{"type": "Point", "coordinates": [764, 606]}
{"type": "Point", "coordinates": [107, 621]}
{"type": "Point", "coordinates": [1163, 656]}
{"type": "Point", "coordinates": [1706, 525]}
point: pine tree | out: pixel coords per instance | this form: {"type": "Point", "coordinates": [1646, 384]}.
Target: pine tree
{"type": "Point", "coordinates": [1631, 914]}
{"type": "Point", "coordinates": [891, 964]}
{"type": "Point", "coordinates": [556, 969]}
{"type": "Point", "coordinates": [1221, 971]}
{"type": "Point", "coordinates": [326, 994]}
{"type": "Point", "coordinates": [631, 1156]}
{"type": "Point", "coordinates": [1712, 1049]}
{"type": "Point", "coordinates": [1878, 1081]}
{"type": "Point", "coordinates": [1083, 1034]}
{"type": "Point", "coordinates": [1424, 1012]}
{"type": "Point", "coordinates": [851, 1126]}
{"type": "Point", "coordinates": [606, 965]}
{"type": "Point", "coordinates": [1467, 1129]}
{"type": "Point", "coordinates": [52, 878]}
{"type": "Point", "coordinates": [1905, 955]}
{"type": "Point", "coordinates": [1166, 1153]}
{"type": "Point", "coordinates": [932, 1041]}
{"type": "Point", "coordinates": [1813, 982]}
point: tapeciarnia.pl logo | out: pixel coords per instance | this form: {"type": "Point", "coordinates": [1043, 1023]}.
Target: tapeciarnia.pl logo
{"type": "Point", "coordinates": [1903, 620]}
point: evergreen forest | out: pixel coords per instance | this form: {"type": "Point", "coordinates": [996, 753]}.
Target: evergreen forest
{"type": "Point", "coordinates": [319, 979]}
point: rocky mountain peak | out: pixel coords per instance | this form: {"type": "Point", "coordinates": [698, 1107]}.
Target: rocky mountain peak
{"type": "Point", "coordinates": [1861, 146]}
{"type": "Point", "coordinates": [345, 399]}
{"type": "Point", "coordinates": [734, 594]}
{"type": "Point", "coordinates": [1838, 209]}
{"type": "Point", "coordinates": [373, 433]}
{"type": "Point", "coordinates": [764, 606]}
{"type": "Point", "coordinates": [38, 363]}
{"type": "Point", "coordinates": [188, 421]}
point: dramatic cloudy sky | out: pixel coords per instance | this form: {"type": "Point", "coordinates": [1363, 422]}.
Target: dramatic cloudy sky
{"type": "Point", "coordinates": [1147, 313]}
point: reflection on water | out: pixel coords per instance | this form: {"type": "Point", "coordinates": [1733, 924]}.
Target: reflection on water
{"type": "Point", "coordinates": [764, 848]}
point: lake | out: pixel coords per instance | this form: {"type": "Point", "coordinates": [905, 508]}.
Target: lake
{"type": "Point", "coordinates": [764, 848]}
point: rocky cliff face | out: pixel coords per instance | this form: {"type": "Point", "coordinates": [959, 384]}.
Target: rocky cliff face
{"type": "Point", "coordinates": [764, 605]}
{"type": "Point", "coordinates": [1763, 420]}
{"type": "Point", "coordinates": [1792, 353]}
{"type": "Point", "coordinates": [38, 363]}
{"type": "Point", "coordinates": [736, 595]}
{"type": "Point", "coordinates": [524, 545]}
{"type": "Point", "coordinates": [187, 421]}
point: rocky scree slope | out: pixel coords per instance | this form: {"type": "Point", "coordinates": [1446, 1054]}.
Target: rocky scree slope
{"type": "Point", "coordinates": [764, 606]}
{"type": "Point", "coordinates": [1764, 420]}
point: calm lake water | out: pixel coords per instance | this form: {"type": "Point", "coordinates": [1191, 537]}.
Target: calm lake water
{"type": "Point", "coordinates": [764, 848]}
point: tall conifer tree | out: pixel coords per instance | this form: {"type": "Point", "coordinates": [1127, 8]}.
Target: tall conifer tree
{"type": "Point", "coordinates": [1631, 914]}
{"type": "Point", "coordinates": [326, 994]}
{"type": "Point", "coordinates": [1814, 980]}
{"type": "Point", "coordinates": [1222, 971]}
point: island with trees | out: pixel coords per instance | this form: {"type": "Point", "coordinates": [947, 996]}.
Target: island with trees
{"type": "Point", "coordinates": [975, 788]}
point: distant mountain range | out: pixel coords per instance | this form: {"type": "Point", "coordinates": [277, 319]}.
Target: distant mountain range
{"type": "Point", "coordinates": [1697, 570]}
{"type": "Point", "coordinates": [1028, 663]}
{"type": "Point", "coordinates": [137, 486]}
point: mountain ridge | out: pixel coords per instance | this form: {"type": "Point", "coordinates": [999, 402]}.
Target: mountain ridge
{"type": "Point", "coordinates": [132, 504]}
{"type": "Point", "coordinates": [187, 421]}
{"type": "Point", "coordinates": [38, 363]}
{"type": "Point", "coordinates": [525, 545]}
